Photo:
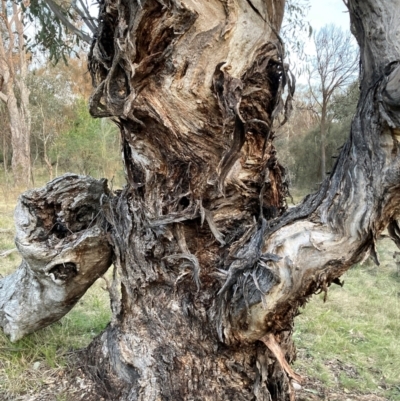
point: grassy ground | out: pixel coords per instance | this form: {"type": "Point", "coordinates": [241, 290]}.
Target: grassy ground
{"type": "Point", "coordinates": [352, 341]}
{"type": "Point", "coordinates": [349, 344]}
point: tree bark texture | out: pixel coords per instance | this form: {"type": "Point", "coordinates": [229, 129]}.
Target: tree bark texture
{"type": "Point", "coordinates": [195, 88]}
{"type": "Point", "coordinates": [210, 267]}
{"type": "Point", "coordinates": [60, 234]}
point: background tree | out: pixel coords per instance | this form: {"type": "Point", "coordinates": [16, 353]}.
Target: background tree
{"type": "Point", "coordinates": [59, 27]}
{"type": "Point", "coordinates": [74, 149]}
{"type": "Point", "coordinates": [298, 141]}
{"type": "Point", "coordinates": [302, 121]}
{"type": "Point", "coordinates": [210, 269]}
{"type": "Point", "coordinates": [51, 103]}
{"type": "Point", "coordinates": [14, 91]}
{"type": "Point", "coordinates": [5, 152]}
{"type": "Point", "coordinates": [63, 130]}
{"type": "Point", "coordinates": [295, 32]}
{"type": "Point", "coordinates": [332, 68]}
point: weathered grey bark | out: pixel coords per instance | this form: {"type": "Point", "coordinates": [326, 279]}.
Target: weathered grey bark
{"type": "Point", "coordinates": [195, 88]}
{"type": "Point", "coordinates": [211, 268]}
{"type": "Point", "coordinates": [61, 238]}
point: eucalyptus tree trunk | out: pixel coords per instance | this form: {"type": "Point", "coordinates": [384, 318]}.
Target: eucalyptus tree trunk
{"type": "Point", "coordinates": [21, 162]}
{"type": "Point", "coordinates": [194, 87]}
{"type": "Point", "coordinates": [210, 268]}
{"type": "Point", "coordinates": [14, 91]}
{"type": "Point", "coordinates": [322, 131]}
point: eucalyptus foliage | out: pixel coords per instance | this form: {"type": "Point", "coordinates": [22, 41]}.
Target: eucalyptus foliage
{"type": "Point", "coordinates": [60, 27]}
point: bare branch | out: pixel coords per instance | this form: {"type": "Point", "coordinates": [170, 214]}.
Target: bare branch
{"type": "Point", "coordinates": [333, 67]}
{"type": "Point", "coordinates": [85, 15]}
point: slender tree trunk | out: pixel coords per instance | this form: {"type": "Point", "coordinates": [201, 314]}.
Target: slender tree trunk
{"type": "Point", "coordinates": [47, 160]}
{"type": "Point", "coordinates": [20, 142]}
{"type": "Point", "coordinates": [210, 269]}
{"type": "Point", "coordinates": [5, 153]}
{"type": "Point", "coordinates": [14, 78]}
{"type": "Point", "coordinates": [323, 142]}
{"type": "Point", "coordinates": [45, 139]}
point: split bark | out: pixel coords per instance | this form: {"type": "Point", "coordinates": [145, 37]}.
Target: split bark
{"type": "Point", "coordinates": [60, 236]}
{"type": "Point", "coordinates": [195, 88]}
{"type": "Point", "coordinates": [211, 270]}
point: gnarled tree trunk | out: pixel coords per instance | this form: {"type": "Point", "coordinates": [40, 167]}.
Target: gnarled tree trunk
{"type": "Point", "coordinates": [211, 276]}
{"type": "Point", "coordinates": [212, 269]}
{"type": "Point", "coordinates": [195, 87]}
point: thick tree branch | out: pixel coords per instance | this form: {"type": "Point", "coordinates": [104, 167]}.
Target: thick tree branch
{"type": "Point", "coordinates": [61, 238]}
{"type": "Point", "coordinates": [351, 209]}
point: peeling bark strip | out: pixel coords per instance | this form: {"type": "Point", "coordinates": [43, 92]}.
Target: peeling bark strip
{"type": "Point", "coordinates": [212, 268]}
{"type": "Point", "coordinates": [61, 238]}
{"type": "Point", "coordinates": [273, 346]}
{"type": "Point", "coordinates": [195, 88]}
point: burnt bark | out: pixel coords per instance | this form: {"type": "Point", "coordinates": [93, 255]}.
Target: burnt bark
{"type": "Point", "coordinates": [210, 267]}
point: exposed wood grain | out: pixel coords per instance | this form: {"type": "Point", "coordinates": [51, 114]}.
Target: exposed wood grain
{"type": "Point", "coordinates": [197, 134]}
{"type": "Point", "coordinates": [61, 238]}
{"type": "Point", "coordinates": [210, 267]}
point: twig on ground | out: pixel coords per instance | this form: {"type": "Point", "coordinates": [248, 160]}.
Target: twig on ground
{"type": "Point", "coordinates": [8, 252]}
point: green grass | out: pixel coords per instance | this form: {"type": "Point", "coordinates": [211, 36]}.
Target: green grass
{"type": "Point", "coordinates": [8, 198]}
{"type": "Point", "coordinates": [35, 360]}
{"type": "Point", "coordinates": [352, 341]}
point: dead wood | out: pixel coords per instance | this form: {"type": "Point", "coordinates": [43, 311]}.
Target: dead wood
{"type": "Point", "coordinates": [60, 234]}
